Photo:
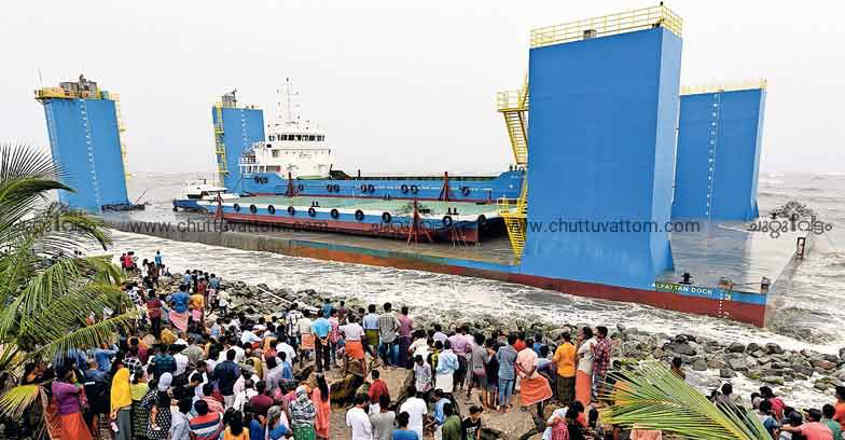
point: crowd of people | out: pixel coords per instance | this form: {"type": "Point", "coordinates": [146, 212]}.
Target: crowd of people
{"type": "Point", "coordinates": [194, 368]}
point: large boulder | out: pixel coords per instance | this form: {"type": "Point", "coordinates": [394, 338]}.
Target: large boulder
{"type": "Point", "coordinates": [772, 348]}
{"type": "Point", "coordinates": [680, 348]}
{"type": "Point", "coordinates": [774, 380]}
{"type": "Point", "coordinates": [738, 363]}
{"type": "Point", "coordinates": [736, 347]}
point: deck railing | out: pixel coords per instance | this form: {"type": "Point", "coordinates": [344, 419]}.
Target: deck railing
{"type": "Point", "coordinates": [622, 22]}
{"type": "Point", "coordinates": [726, 86]}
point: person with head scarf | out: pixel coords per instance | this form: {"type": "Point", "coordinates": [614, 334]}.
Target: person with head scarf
{"type": "Point", "coordinates": [121, 401]}
{"type": "Point", "coordinates": [140, 414]}
{"type": "Point", "coordinates": [277, 424]}
{"type": "Point", "coordinates": [302, 414]}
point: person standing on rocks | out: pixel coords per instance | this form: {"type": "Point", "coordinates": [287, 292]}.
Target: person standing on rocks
{"type": "Point", "coordinates": [534, 388]}
{"type": "Point", "coordinates": [584, 373]}
{"type": "Point", "coordinates": [370, 324]}
{"type": "Point", "coordinates": [321, 328]}
{"type": "Point", "coordinates": [292, 318]}
{"type": "Point", "coordinates": [388, 328]}
{"type": "Point", "coordinates": [601, 359]}
{"type": "Point", "coordinates": [506, 357]}
{"type": "Point", "coordinates": [478, 372]}
{"type": "Point", "coordinates": [406, 327]}
{"type": "Point", "coordinates": [447, 365]}
{"type": "Point", "coordinates": [564, 360]}
{"type": "Point", "coordinates": [307, 337]}
{"type": "Point", "coordinates": [353, 334]}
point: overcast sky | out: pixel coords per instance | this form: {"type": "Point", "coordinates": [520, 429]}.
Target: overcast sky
{"type": "Point", "coordinates": [398, 86]}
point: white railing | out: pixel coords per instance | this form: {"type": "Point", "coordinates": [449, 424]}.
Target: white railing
{"type": "Point", "coordinates": [622, 22]}
{"type": "Point", "coordinates": [724, 86]}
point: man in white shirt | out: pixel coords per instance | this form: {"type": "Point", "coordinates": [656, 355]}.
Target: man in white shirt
{"type": "Point", "coordinates": [307, 338]}
{"type": "Point", "coordinates": [239, 352]}
{"type": "Point", "coordinates": [416, 408]}
{"type": "Point", "coordinates": [181, 361]}
{"type": "Point", "coordinates": [290, 353]}
{"type": "Point", "coordinates": [358, 421]}
{"type": "Point", "coordinates": [249, 337]}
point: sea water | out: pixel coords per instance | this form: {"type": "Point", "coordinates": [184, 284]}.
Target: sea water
{"type": "Point", "coordinates": [811, 317]}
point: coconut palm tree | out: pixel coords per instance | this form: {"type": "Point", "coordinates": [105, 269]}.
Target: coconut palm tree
{"type": "Point", "coordinates": [53, 298]}
{"type": "Point", "coordinates": [652, 397]}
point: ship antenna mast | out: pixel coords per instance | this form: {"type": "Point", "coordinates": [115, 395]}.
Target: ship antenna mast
{"type": "Point", "coordinates": [289, 94]}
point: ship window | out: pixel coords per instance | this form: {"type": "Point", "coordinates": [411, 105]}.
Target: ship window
{"type": "Point", "coordinates": [299, 137]}
{"type": "Point", "coordinates": [271, 138]}
{"type": "Point", "coordinates": [311, 138]}
{"type": "Point", "coordinates": [284, 137]}
{"type": "Point", "coordinates": [275, 153]}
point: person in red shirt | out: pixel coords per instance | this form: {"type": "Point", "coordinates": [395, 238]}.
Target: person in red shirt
{"type": "Point", "coordinates": [839, 414]}
{"type": "Point", "coordinates": [261, 402]}
{"type": "Point", "coordinates": [812, 429]}
{"type": "Point", "coordinates": [520, 342]}
{"type": "Point", "coordinates": [378, 388]}
{"type": "Point", "coordinates": [154, 313]}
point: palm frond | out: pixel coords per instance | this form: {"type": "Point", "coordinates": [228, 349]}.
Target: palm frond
{"type": "Point", "coordinates": [85, 337]}
{"type": "Point", "coordinates": [69, 312]}
{"type": "Point", "coordinates": [652, 397]}
{"type": "Point", "coordinates": [14, 402]}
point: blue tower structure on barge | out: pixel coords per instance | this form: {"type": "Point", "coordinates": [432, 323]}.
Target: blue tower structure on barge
{"type": "Point", "coordinates": [85, 132]}
{"type": "Point", "coordinates": [604, 103]}
{"type": "Point", "coordinates": [719, 143]}
{"type": "Point", "coordinates": [235, 130]}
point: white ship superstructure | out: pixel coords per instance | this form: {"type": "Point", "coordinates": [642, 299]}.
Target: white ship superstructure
{"type": "Point", "coordinates": [292, 147]}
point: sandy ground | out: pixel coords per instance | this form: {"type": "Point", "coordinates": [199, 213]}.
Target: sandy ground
{"type": "Point", "coordinates": [513, 424]}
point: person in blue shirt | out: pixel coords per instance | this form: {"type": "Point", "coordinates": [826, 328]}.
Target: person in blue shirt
{"type": "Point", "coordinates": [187, 278]}
{"type": "Point", "coordinates": [327, 308]}
{"type": "Point", "coordinates": [287, 370]}
{"type": "Point", "coordinates": [439, 401]}
{"type": "Point", "coordinates": [179, 300]}
{"type": "Point", "coordinates": [403, 433]}
{"type": "Point", "coordinates": [321, 328]}
{"type": "Point", "coordinates": [158, 259]}
{"type": "Point", "coordinates": [275, 430]}
{"type": "Point", "coordinates": [506, 355]}
{"type": "Point", "coordinates": [104, 355]}
{"type": "Point", "coordinates": [447, 365]}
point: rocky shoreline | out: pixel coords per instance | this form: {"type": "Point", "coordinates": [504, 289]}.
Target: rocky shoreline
{"type": "Point", "coordinates": [763, 363]}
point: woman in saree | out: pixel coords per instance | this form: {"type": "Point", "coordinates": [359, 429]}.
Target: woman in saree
{"type": "Point", "coordinates": [321, 398]}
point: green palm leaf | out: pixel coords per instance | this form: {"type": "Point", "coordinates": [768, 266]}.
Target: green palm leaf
{"type": "Point", "coordinates": [86, 337]}
{"type": "Point", "coordinates": [14, 402]}
{"type": "Point", "coordinates": [652, 397]}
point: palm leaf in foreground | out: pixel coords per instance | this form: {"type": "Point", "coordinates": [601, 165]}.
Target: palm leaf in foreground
{"type": "Point", "coordinates": [652, 397]}
{"type": "Point", "coordinates": [14, 402]}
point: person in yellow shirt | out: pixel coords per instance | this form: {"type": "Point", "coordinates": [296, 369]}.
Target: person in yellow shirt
{"type": "Point", "coordinates": [564, 360]}
{"type": "Point", "coordinates": [197, 305]}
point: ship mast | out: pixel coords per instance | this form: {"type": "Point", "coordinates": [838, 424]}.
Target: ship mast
{"type": "Point", "coordinates": [287, 93]}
